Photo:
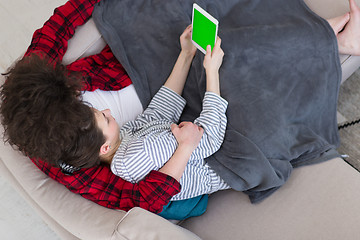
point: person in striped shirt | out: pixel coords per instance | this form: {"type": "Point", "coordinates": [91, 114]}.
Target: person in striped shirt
{"type": "Point", "coordinates": [147, 142]}
{"type": "Point", "coordinates": [45, 120]}
{"type": "Point", "coordinates": [101, 71]}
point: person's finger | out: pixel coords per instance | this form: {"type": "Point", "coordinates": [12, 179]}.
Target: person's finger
{"type": "Point", "coordinates": [201, 130]}
{"type": "Point", "coordinates": [186, 32]}
{"type": "Point", "coordinates": [208, 50]}
{"type": "Point", "coordinates": [218, 42]}
{"type": "Point", "coordinates": [182, 124]}
{"type": "Point", "coordinates": [217, 46]}
{"type": "Point", "coordinates": [188, 29]}
{"type": "Point", "coordinates": [174, 128]}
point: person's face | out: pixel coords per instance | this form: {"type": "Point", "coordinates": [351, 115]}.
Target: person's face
{"type": "Point", "coordinates": [110, 129]}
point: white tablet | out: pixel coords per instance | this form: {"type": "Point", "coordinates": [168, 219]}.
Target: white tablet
{"type": "Point", "coordinates": [204, 28]}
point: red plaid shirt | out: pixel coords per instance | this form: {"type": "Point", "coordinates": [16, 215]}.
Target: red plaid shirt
{"type": "Point", "coordinates": [101, 71]}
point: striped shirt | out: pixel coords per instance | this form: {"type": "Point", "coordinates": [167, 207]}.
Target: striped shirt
{"type": "Point", "coordinates": [147, 143]}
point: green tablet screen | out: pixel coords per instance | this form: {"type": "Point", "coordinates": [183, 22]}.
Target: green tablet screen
{"type": "Point", "coordinates": [204, 30]}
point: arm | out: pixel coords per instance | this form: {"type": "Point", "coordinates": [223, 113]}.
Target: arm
{"type": "Point", "coordinates": [213, 120]}
{"type": "Point", "coordinates": [102, 71]}
{"type": "Point", "coordinates": [212, 63]}
{"type": "Point", "coordinates": [212, 117]}
{"type": "Point", "coordinates": [177, 78]}
{"type": "Point", "coordinates": [53, 37]}
{"type": "Point", "coordinates": [188, 136]}
{"type": "Point", "coordinates": [167, 155]}
{"type": "Point", "coordinates": [99, 185]}
{"type": "Point", "coordinates": [167, 104]}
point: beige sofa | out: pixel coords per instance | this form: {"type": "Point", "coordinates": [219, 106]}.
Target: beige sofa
{"type": "Point", "coordinates": [318, 202]}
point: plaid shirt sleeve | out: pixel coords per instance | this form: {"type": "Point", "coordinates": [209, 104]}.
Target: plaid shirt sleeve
{"type": "Point", "coordinates": [100, 71]}
{"type": "Point", "coordinates": [101, 186]}
{"type": "Point", "coordinates": [52, 38]}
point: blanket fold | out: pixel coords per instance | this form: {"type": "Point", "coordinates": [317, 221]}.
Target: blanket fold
{"type": "Point", "coordinates": [280, 75]}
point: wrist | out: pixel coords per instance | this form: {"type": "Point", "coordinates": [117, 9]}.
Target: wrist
{"type": "Point", "coordinates": [213, 83]}
{"type": "Point", "coordinates": [211, 72]}
{"type": "Point", "coordinates": [186, 148]}
{"type": "Point", "coordinates": [188, 55]}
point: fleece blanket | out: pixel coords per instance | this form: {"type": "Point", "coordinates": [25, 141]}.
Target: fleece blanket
{"type": "Point", "coordinates": [280, 75]}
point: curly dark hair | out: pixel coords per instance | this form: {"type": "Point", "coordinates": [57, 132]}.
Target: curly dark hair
{"type": "Point", "coordinates": [44, 117]}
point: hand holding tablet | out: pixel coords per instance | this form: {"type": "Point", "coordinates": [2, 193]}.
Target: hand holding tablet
{"type": "Point", "coordinates": [204, 29]}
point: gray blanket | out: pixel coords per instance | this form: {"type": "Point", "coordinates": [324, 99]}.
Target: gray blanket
{"type": "Point", "coordinates": [280, 75]}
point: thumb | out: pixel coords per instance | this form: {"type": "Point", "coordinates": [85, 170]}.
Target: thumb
{"type": "Point", "coordinates": [208, 50]}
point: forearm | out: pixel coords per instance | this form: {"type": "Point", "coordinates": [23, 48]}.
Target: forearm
{"type": "Point", "coordinates": [175, 167]}
{"type": "Point", "coordinates": [212, 82]}
{"type": "Point", "coordinates": [105, 71]}
{"type": "Point", "coordinates": [99, 185]}
{"type": "Point", "coordinates": [177, 78]}
{"type": "Point", "coordinates": [212, 62]}
{"type": "Point", "coordinates": [213, 120]}
{"type": "Point", "coordinates": [155, 191]}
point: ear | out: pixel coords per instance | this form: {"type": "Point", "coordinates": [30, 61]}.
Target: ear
{"type": "Point", "coordinates": [105, 148]}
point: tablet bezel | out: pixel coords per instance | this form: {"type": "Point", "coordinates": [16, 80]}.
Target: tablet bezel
{"type": "Point", "coordinates": [208, 16]}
